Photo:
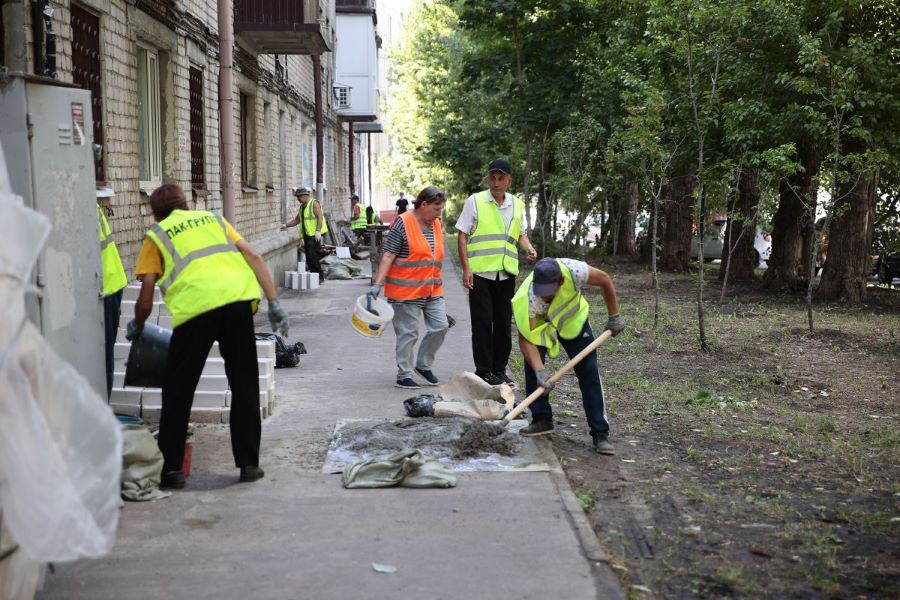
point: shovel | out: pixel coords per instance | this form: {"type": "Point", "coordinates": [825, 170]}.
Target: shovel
{"type": "Point", "coordinates": [553, 378]}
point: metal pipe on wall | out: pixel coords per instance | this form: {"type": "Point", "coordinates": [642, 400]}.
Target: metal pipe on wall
{"type": "Point", "coordinates": [226, 106]}
{"type": "Point", "coordinates": [320, 128]}
{"type": "Point", "coordinates": [15, 53]}
{"type": "Point", "coordinates": [350, 158]}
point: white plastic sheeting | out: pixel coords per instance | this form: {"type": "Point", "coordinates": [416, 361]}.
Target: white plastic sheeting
{"type": "Point", "coordinates": [60, 444]}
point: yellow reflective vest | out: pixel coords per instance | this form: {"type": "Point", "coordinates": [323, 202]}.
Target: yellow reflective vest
{"type": "Point", "coordinates": [357, 222]}
{"type": "Point", "coordinates": [202, 268]}
{"type": "Point", "coordinates": [493, 246]}
{"type": "Point", "coordinates": [114, 278]}
{"type": "Point", "coordinates": [565, 317]}
{"type": "Point", "coordinates": [308, 220]}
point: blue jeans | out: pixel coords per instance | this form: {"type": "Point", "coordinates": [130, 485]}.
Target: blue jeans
{"type": "Point", "coordinates": [588, 380]}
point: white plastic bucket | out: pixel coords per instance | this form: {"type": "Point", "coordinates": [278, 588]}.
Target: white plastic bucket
{"type": "Point", "coordinates": [368, 324]}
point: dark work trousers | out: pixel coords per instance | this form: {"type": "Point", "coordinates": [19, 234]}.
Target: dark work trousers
{"type": "Point", "coordinates": [588, 380]}
{"type": "Point", "coordinates": [112, 308]}
{"type": "Point", "coordinates": [490, 307]}
{"type": "Point", "coordinates": [232, 326]}
{"type": "Point", "coordinates": [311, 251]}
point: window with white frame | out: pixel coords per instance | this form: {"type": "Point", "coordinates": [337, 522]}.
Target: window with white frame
{"type": "Point", "coordinates": [267, 145]}
{"type": "Point", "coordinates": [149, 118]}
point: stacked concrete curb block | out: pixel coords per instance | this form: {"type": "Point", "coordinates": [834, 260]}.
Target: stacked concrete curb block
{"type": "Point", "coordinates": [301, 279]}
{"type": "Point", "coordinates": [212, 400]}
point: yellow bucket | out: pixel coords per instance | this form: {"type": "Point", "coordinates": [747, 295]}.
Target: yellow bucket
{"type": "Point", "coordinates": [371, 316]}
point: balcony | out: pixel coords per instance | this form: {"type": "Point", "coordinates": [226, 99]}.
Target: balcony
{"type": "Point", "coordinates": [354, 6]}
{"type": "Point", "coordinates": [280, 26]}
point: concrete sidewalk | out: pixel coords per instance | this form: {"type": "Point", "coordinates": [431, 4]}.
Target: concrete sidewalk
{"type": "Point", "coordinates": [299, 534]}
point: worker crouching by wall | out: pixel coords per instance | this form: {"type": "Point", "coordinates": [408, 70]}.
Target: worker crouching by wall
{"type": "Point", "coordinates": [210, 278]}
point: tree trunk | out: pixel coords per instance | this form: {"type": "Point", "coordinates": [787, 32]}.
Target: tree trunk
{"type": "Point", "coordinates": [737, 252]}
{"type": "Point", "coordinates": [648, 238]}
{"type": "Point", "coordinates": [627, 219]}
{"type": "Point", "coordinates": [850, 236]}
{"type": "Point", "coordinates": [677, 220]}
{"type": "Point", "coordinates": [787, 269]}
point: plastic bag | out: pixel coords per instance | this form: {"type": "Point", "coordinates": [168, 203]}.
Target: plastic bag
{"type": "Point", "coordinates": [60, 456]}
{"type": "Point", "coordinates": [285, 355]}
{"type": "Point", "coordinates": [421, 405]}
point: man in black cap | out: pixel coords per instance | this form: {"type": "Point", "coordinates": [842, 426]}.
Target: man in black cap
{"type": "Point", "coordinates": [550, 312]}
{"type": "Point", "coordinates": [312, 226]}
{"type": "Point", "coordinates": [490, 235]}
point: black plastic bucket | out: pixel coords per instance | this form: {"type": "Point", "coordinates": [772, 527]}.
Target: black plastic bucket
{"type": "Point", "coordinates": [146, 364]}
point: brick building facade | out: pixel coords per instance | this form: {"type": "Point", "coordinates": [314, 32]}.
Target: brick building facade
{"type": "Point", "coordinates": [154, 65]}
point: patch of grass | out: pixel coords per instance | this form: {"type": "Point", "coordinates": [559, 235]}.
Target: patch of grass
{"type": "Point", "coordinates": [587, 500]}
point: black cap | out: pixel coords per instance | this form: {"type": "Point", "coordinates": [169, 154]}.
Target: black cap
{"type": "Point", "coordinates": [546, 277]}
{"type": "Point", "coordinates": [499, 164]}
{"type": "Point", "coordinates": [301, 191]}
{"type": "Point", "coordinates": [354, 197]}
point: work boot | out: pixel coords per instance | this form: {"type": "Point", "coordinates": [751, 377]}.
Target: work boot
{"type": "Point", "coordinates": [501, 375]}
{"type": "Point", "coordinates": [251, 474]}
{"type": "Point", "coordinates": [428, 376]}
{"type": "Point", "coordinates": [541, 427]}
{"type": "Point", "coordinates": [490, 378]}
{"type": "Point", "coordinates": [173, 479]}
{"type": "Point", "coordinates": [602, 445]}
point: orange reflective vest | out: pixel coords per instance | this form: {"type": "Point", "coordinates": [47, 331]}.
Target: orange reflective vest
{"type": "Point", "coordinates": [418, 275]}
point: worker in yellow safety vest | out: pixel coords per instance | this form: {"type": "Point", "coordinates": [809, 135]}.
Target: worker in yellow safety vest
{"type": "Point", "coordinates": [551, 312]}
{"type": "Point", "coordinates": [209, 277]}
{"type": "Point", "coordinates": [114, 281]}
{"type": "Point", "coordinates": [490, 234]}
{"type": "Point", "coordinates": [312, 227]}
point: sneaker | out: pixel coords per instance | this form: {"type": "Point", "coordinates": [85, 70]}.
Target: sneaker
{"type": "Point", "coordinates": [490, 378]}
{"type": "Point", "coordinates": [407, 383]}
{"type": "Point", "coordinates": [602, 445]}
{"type": "Point", "coordinates": [251, 474]}
{"type": "Point", "coordinates": [505, 379]}
{"type": "Point", "coordinates": [173, 480]}
{"type": "Point", "coordinates": [428, 376]}
{"type": "Point", "coordinates": [542, 427]}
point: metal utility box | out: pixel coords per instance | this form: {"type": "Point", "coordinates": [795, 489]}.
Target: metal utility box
{"type": "Point", "coordinates": [46, 132]}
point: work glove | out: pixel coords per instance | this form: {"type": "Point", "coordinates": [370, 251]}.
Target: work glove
{"type": "Point", "coordinates": [616, 324]}
{"type": "Point", "coordinates": [375, 290]}
{"type": "Point", "coordinates": [542, 378]}
{"type": "Point", "coordinates": [318, 237]}
{"type": "Point", "coordinates": [278, 317]}
{"type": "Point", "coordinates": [133, 331]}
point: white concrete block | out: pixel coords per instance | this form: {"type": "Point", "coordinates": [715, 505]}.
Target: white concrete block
{"type": "Point", "coordinates": [132, 410]}
{"type": "Point", "coordinates": [297, 281]}
{"type": "Point", "coordinates": [342, 252]}
{"type": "Point", "coordinates": [303, 281]}
{"type": "Point", "coordinates": [266, 366]}
{"type": "Point", "coordinates": [132, 291]}
{"type": "Point", "coordinates": [265, 349]}
{"type": "Point", "coordinates": [301, 267]}
{"type": "Point", "coordinates": [313, 281]}
{"type": "Point", "coordinates": [151, 398]}
{"type": "Point", "coordinates": [209, 400]}
{"type": "Point", "coordinates": [265, 381]}
{"type": "Point", "coordinates": [212, 383]}
{"type": "Point", "coordinates": [119, 364]}
{"type": "Point", "coordinates": [214, 366]}
{"type": "Point", "coordinates": [126, 395]}
{"type": "Point", "coordinates": [287, 279]}
{"type": "Point", "coordinates": [121, 349]}
{"type": "Point", "coordinates": [118, 379]}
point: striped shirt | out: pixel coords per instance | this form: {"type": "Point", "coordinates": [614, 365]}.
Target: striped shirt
{"type": "Point", "coordinates": [397, 243]}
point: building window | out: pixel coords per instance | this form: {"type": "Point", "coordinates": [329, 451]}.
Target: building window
{"type": "Point", "coordinates": [267, 145]}
{"type": "Point", "coordinates": [195, 93]}
{"type": "Point", "coordinates": [248, 140]}
{"type": "Point", "coordinates": [149, 118]}
{"type": "Point", "coordinates": [87, 73]}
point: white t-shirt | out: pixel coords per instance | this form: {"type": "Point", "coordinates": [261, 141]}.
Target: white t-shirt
{"type": "Point", "coordinates": [579, 270]}
{"type": "Point", "coordinates": [468, 221]}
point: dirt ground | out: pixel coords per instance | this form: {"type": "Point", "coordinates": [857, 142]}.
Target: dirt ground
{"type": "Point", "coordinates": [766, 468]}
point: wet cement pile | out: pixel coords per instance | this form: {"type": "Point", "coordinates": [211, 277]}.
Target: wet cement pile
{"type": "Point", "coordinates": [439, 438]}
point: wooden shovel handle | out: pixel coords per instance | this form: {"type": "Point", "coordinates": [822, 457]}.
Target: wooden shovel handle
{"type": "Point", "coordinates": [565, 369]}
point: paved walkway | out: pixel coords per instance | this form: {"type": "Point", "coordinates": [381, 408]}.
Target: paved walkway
{"type": "Point", "coordinates": [299, 534]}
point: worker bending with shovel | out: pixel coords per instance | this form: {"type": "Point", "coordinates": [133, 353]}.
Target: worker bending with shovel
{"type": "Point", "coordinates": [550, 311]}
{"type": "Point", "coordinates": [210, 279]}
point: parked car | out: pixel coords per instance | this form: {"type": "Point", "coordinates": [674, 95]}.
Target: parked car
{"type": "Point", "coordinates": [714, 241]}
{"type": "Point", "coordinates": [887, 267]}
